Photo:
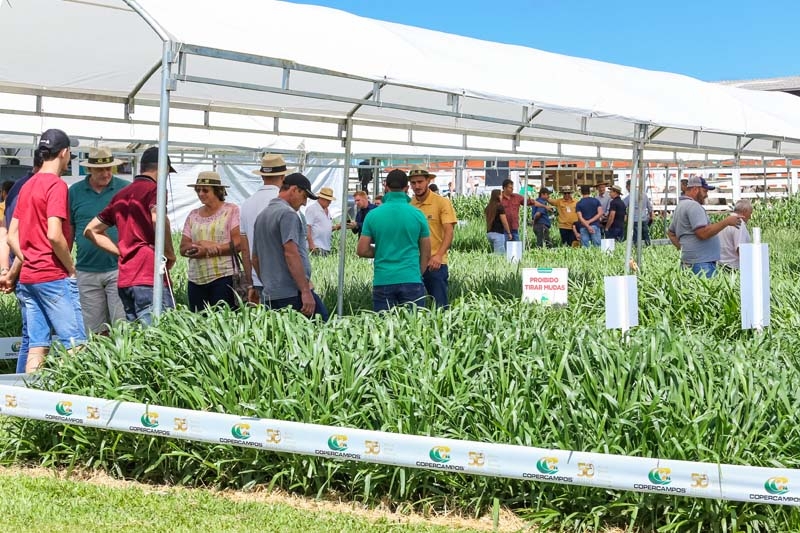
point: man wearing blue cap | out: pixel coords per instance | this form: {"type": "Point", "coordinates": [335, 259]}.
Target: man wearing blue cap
{"type": "Point", "coordinates": [692, 232]}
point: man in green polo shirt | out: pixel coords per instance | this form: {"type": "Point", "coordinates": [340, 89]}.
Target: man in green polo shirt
{"type": "Point", "coordinates": [96, 269]}
{"type": "Point", "coordinates": [397, 236]}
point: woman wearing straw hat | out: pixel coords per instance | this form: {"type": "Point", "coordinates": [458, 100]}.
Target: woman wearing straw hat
{"type": "Point", "coordinates": [210, 237]}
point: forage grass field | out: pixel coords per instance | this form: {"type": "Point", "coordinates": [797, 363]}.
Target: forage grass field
{"type": "Point", "coordinates": [686, 384]}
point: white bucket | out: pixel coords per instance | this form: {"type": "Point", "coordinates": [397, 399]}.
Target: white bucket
{"type": "Point", "coordinates": [514, 251]}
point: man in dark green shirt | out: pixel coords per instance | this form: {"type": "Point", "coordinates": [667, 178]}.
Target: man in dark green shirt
{"type": "Point", "coordinates": [97, 270]}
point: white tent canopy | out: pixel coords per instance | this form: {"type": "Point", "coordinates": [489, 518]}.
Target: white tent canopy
{"type": "Point", "coordinates": [316, 73]}
{"type": "Point", "coordinates": [301, 70]}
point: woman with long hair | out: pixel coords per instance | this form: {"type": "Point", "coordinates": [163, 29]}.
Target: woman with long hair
{"type": "Point", "coordinates": [497, 228]}
{"type": "Point", "coordinates": [210, 238]}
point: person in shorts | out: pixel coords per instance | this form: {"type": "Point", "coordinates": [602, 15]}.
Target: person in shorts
{"type": "Point", "coordinates": [41, 238]}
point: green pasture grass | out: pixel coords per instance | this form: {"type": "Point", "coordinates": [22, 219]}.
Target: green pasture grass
{"type": "Point", "coordinates": [687, 384]}
{"type": "Point", "coordinates": [38, 503]}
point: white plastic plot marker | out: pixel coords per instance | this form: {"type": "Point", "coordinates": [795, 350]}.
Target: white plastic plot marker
{"type": "Point", "coordinates": [514, 251]}
{"type": "Point", "coordinates": [754, 290]}
{"type": "Point", "coordinates": [622, 302]}
{"type": "Point", "coordinates": [607, 245]}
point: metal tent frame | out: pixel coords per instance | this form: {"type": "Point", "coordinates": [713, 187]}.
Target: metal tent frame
{"type": "Point", "coordinates": [312, 94]}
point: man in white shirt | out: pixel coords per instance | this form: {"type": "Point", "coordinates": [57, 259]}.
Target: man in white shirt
{"type": "Point", "coordinates": [320, 225]}
{"type": "Point", "coordinates": [273, 170]}
{"type": "Point", "coordinates": [731, 237]}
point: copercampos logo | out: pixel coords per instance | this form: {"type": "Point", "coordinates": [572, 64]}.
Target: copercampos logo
{"type": "Point", "coordinates": [547, 465]}
{"type": "Point", "coordinates": [337, 443]}
{"type": "Point", "coordinates": [777, 485]}
{"type": "Point", "coordinates": [64, 408]}
{"type": "Point", "coordinates": [660, 476]}
{"type": "Point", "coordinates": [440, 454]}
{"type": "Point", "coordinates": [149, 419]}
{"type": "Point", "coordinates": [16, 346]}
{"type": "Point", "coordinates": [241, 431]}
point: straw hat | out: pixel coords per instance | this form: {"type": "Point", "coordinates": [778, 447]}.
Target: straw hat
{"type": "Point", "coordinates": [417, 170]}
{"type": "Point", "coordinates": [208, 179]}
{"type": "Point", "coordinates": [326, 193]}
{"type": "Point", "coordinates": [565, 189]}
{"type": "Point", "coordinates": [616, 188]}
{"type": "Point", "coordinates": [100, 157]}
{"type": "Point", "coordinates": [272, 165]}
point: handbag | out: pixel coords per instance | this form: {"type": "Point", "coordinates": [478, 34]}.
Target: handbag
{"type": "Point", "coordinates": [239, 283]}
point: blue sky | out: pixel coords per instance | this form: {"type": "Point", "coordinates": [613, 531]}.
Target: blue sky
{"type": "Point", "coordinates": [708, 39]}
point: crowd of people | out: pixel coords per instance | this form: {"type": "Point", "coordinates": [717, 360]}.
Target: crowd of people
{"type": "Point", "coordinates": [408, 236]}
{"type": "Point", "coordinates": [705, 246]}
{"type": "Point", "coordinates": [112, 224]}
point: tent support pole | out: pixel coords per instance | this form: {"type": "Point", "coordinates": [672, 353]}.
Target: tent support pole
{"type": "Point", "coordinates": [525, 207]}
{"type": "Point", "coordinates": [637, 148]}
{"type": "Point", "coordinates": [666, 195]}
{"type": "Point", "coordinates": [348, 141]}
{"type": "Point", "coordinates": [163, 168]}
{"type": "Point", "coordinates": [642, 195]}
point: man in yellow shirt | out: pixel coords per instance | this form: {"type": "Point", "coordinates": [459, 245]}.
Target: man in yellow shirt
{"type": "Point", "coordinates": [567, 214]}
{"type": "Point", "coordinates": [442, 220]}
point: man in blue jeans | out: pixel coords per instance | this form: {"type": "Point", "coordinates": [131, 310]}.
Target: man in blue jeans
{"type": "Point", "coordinates": [133, 212]}
{"type": "Point", "coordinates": [442, 221]}
{"type": "Point", "coordinates": [692, 232]}
{"type": "Point", "coordinates": [40, 236]}
{"type": "Point", "coordinates": [589, 213]}
{"type": "Point", "coordinates": [280, 251]}
{"type": "Point", "coordinates": [402, 247]}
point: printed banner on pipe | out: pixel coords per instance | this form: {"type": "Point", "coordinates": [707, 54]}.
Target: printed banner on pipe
{"type": "Point", "coordinates": [618, 472]}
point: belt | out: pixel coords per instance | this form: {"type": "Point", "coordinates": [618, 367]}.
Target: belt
{"type": "Point", "coordinates": [690, 265]}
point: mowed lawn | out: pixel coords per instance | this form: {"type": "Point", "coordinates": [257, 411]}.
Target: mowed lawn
{"type": "Point", "coordinates": [40, 501]}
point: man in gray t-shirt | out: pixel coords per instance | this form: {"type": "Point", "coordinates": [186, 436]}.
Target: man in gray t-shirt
{"type": "Point", "coordinates": [692, 232]}
{"type": "Point", "coordinates": [280, 251]}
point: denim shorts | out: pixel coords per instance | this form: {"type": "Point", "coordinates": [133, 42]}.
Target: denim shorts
{"type": "Point", "coordinates": [54, 306]}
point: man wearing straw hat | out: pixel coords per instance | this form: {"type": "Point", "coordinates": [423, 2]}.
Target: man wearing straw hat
{"type": "Point", "coordinates": [272, 171]}
{"type": "Point", "coordinates": [320, 225]}
{"type": "Point", "coordinates": [97, 269]}
{"type": "Point", "coordinates": [442, 220]}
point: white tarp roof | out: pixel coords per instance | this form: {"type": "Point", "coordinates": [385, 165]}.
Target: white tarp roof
{"type": "Point", "coordinates": [314, 66]}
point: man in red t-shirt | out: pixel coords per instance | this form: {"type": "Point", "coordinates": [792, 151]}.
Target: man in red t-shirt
{"type": "Point", "coordinates": [133, 212]}
{"type": "Point", "coordinates": [41, 237]}
{"type": "Point", "coordinates": [511, 202]}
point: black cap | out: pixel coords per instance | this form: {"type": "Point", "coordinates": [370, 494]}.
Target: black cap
{"type": "Point", "coordinates": [301, 182]}
{"type": "Point", "coordinates": [545, 190]}
{"type": "Point", "coordinates": [53, 141]}
{"type": "Point", "coordinates": [150, 156]}
{"type": "Point", "coordinates": [396, 180]}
